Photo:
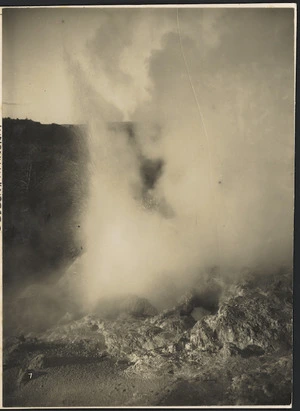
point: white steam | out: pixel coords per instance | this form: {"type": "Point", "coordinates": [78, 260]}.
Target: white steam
{"type": "Point", "coordinates": [233, 210]}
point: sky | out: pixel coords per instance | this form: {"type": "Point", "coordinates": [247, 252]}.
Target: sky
{"type": "Point", "coordinates": [219, 83]}
{"type": "Point", "coordinates": [36, 77]}
{"type": "Point", "coordinates": [36, 74]}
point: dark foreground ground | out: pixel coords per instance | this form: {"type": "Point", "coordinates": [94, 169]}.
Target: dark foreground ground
{"type": "Point", "coordinates": [239, 353]}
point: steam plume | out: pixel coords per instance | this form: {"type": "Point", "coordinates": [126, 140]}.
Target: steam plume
{"type": "Point", "coordinates": [224, 192]}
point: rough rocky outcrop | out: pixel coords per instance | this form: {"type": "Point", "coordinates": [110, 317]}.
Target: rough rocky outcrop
{"type": "Point", "coordinates": [248, 316]}
{"type": "Point", "coordinates": [245, 346]}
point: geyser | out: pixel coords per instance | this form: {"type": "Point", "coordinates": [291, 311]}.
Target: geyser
{"type": "Point", "coordinates": [168, 199]}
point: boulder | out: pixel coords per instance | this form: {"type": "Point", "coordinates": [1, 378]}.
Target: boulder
{"type": "Point", "coordinates": [247, 317]}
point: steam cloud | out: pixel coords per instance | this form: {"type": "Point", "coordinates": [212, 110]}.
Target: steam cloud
{"type": "Point", "coordinates": [223, 190]}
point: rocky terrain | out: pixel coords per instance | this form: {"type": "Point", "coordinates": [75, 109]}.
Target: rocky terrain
{"type": "Point", "coordinates": [222, 344]}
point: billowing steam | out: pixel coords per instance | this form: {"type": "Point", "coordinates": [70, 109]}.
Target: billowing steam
{"type": "Point", "coordinates": [201, 171]}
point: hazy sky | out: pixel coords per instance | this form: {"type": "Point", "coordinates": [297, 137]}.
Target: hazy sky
{"type": "Point", "coordinates": [36, 77]}
{"type": "Point", "coordinates": [36, 82]}
{"type": "Point", "coordinates": [36, 74]}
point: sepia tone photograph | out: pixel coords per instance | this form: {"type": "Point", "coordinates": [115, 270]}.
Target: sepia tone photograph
{"type": "Point", "coordinates": [148, 206]}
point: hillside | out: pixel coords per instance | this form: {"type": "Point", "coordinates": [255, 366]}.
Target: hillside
{"type": "Point", "coordinates": [43, 194]}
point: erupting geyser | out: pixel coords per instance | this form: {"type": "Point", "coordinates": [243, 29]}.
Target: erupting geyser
{"type": "Point", "coordinates": [176, 187]}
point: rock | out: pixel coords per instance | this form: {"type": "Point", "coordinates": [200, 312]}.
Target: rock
{"type": "Point", "coordinates": [252, 350]}
{"type": "Point", "coordinates": [37, 362]}
{"type": "Point", "coordinates": [172, 320]}
{"type": "Point", "coordinates": [204, 337]}
{"type": "Point", "coordinates": [259, 319]}
{"type": "Point", "coordinates": [248, 317]}
{"type": "Point", "coordinates": [199, 312]}
{"type": "Point", "coordinates": [229, 349]}
{"type": "Point", "coordinates": [138, 307]}
{"type": "Point", "coordinates": [66, 318]}
{"type": "Point", "coordinates": [243, 345]}
{"type": "Point", "coordinates": [269, 386]}
{"type": "Point", "coordinates": [31, 369]}
{"type": "Point", "coordinates": [164, 338]}
{"type": "Point", "coordinates": [125, 305]}
{"type": "Point", "coordinates": [186, 303]}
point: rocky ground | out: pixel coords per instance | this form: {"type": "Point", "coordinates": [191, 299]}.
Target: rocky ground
{"type": "Point", "coordinates": [221, 345]}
